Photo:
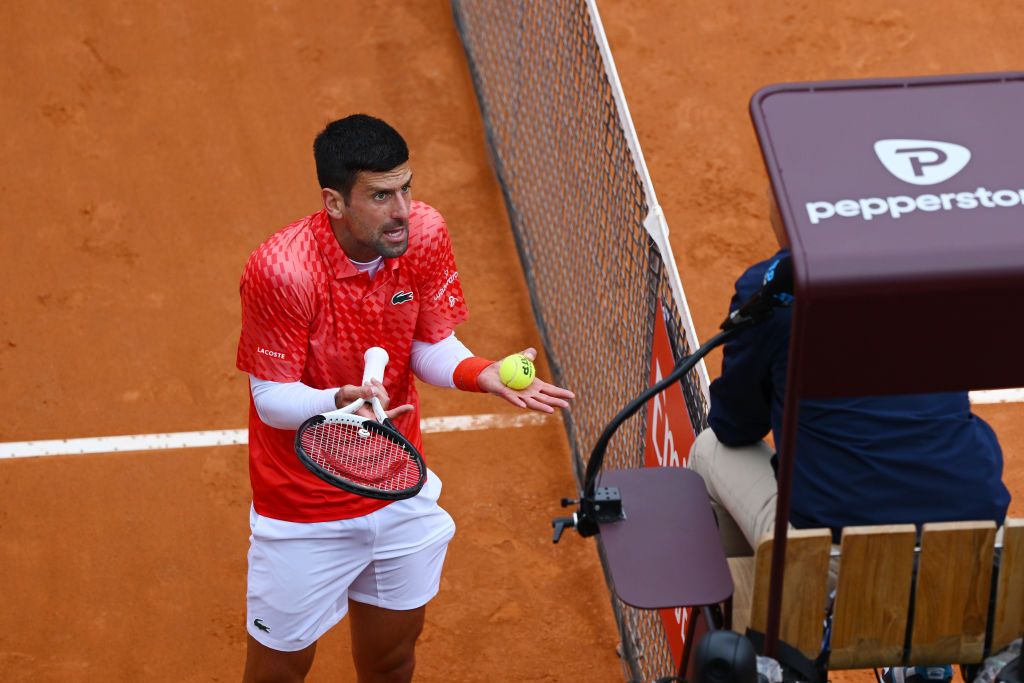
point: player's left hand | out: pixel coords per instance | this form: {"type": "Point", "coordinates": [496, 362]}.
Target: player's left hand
{"type": "Point", "coordinates": [540, 395]}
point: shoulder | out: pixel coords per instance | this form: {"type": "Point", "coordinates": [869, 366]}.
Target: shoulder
{"type": "Point", "coordinates": [288, 257]}
{"type": "Point", "coordinates": [426, 225]}
{"type": "Point", "coordinates": [430, 245]}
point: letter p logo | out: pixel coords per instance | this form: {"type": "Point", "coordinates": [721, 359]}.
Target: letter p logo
{"type": "Point", "coordinates": [922, 162]}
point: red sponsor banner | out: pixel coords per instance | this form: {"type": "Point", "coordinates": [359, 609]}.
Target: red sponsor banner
{"type": "Point", "coordinates": [669, 434]}
{"type": "Point", "coordinates": [669, 437]}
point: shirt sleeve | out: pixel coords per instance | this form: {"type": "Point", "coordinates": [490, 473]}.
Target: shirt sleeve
{"type": "Point", "coordinates": [277, 308]}
{"type": "Point", "coordinates": [435, 363]}
{"type": "Point", "coordinates": [286, 405]}
{"type": "Point", "coordinates": [741, 397]}
{"type": "Point", "coordinates": [443, 305]}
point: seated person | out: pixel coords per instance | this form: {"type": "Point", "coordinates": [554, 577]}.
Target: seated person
{"type": "Point", "coordinates": [859, 461]}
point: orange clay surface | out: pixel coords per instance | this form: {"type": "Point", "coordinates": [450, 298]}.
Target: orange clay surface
{"type": "Point", "coordinates": [148, 149]}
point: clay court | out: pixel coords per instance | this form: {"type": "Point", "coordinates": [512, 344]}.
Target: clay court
{"type": "Point", "coordinates": [150, 147]}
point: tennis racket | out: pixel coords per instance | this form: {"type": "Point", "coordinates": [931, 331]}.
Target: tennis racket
{"type": "Point", "coordinates": [359, 455]}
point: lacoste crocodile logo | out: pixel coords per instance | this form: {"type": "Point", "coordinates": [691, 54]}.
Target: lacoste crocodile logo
{"type": "Point", "coordinates": [401, 298]}
{"type": "Point", "coordinates": [258, 623]}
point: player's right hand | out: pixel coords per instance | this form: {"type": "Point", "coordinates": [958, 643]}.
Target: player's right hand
{"type": "Point", "coordinates": [352, 392]}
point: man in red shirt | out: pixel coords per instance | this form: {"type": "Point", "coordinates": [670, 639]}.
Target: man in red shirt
{"type": "Point", "coordinates": [372, 268]}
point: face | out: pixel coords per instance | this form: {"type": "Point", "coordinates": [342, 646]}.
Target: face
{"type": "Point", "coordinates": [375, 219]}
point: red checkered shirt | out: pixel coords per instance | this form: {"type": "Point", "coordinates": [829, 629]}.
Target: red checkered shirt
{"type": "Point", "coordinates": [308, 315]}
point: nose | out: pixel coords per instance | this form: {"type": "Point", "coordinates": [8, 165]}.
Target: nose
{"type": "Point", "coordinates": [400, 207]}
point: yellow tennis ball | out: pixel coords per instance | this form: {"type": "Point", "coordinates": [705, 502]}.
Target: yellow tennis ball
{"type": "Point", "coordinates": [517, 371]}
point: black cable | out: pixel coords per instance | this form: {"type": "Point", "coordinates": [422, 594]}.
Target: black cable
{"type": "Point", "coordinates": [684, 365]}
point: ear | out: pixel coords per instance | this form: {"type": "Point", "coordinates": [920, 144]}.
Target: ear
{"type": "Point", "coordinates": [333, 202]}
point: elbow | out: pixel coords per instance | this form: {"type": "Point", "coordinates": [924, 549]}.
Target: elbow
{"type": "Point", "coordinates": [272, 419]}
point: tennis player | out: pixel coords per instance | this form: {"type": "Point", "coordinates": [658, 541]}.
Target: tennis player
{"type": "Point", "coordinates": [372, 268]}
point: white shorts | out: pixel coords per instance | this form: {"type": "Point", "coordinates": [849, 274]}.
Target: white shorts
{"type": "Point", "coordinates": [302, 575]}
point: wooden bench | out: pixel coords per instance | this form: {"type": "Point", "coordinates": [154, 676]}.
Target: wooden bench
{"type": "Point", "coordinates": [951, 588]}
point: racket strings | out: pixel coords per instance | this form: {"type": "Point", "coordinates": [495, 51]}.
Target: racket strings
{"type": "Point", "coordinates": [363, 457]}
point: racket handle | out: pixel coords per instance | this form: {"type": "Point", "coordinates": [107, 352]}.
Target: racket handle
{"type": "Point", "coordinates": [375, 360]}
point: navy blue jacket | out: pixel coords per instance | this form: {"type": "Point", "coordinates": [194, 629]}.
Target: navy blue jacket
{"type": "Point", "coordinates": [867, 460]}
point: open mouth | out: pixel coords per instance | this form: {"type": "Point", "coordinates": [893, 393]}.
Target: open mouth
{"type": "Point", "coordinates": [395, 235]}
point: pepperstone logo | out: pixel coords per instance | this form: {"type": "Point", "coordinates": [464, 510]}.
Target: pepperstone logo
{"type": "Point", "coordinates": [919, 162]}
{"type": "Point", "coordinates": [922, 162]}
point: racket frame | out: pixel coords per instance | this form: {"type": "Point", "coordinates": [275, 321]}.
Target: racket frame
{"type": "Point", "coordinates": [376, 360]}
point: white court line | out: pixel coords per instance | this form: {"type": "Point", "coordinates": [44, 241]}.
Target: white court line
{"type": "Point", "coordinates": [998, 396]}
{"type": "Point", "coordinates": [236, 437]}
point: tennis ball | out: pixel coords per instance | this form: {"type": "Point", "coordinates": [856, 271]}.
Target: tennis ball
{"type": "Point", "coordinates": [517, 371]}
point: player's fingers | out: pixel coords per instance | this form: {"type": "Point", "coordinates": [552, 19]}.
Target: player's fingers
{"type": "Point", "coordinates": [552, 390]}
{"type": "Point", "coordinates": [513, 397]}
{"type": "Point", "coordinates": [534, 403]}
{"type": "Point", "coordinates": [541, 388]}
{"type": "Point", "coordinates": [530, 353]}
{"type": "Point", "coordinates": [351, 392]}
{"type": "Point", "coordinates": [377, 389]}
{"type": "Point", "coordinates": [400, 410]}
{"type": "Point", "coordinates": [549, 400]}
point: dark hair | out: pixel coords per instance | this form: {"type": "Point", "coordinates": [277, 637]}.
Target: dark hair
{"type": "Point", "coordinates": [353, 144]}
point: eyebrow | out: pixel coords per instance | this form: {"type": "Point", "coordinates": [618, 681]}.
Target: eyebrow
{"type": "Point", "coordinates": [374, 189]}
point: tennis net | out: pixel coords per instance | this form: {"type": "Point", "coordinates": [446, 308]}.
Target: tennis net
{"type": "Point", "coordinates": [590, 234]}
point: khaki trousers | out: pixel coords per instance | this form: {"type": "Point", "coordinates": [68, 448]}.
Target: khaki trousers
{"type": "Point", "coordinates": [742, 487]}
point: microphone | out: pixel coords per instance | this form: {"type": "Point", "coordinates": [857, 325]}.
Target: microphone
{"type": "Point", "coordinates": [776, 291]}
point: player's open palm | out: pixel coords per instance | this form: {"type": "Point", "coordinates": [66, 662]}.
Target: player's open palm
{"type": "Point", "coordinates": [538, 395]}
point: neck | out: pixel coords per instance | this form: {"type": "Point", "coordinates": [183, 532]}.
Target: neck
{"type": "Point", "coordinates": [354, 251]}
